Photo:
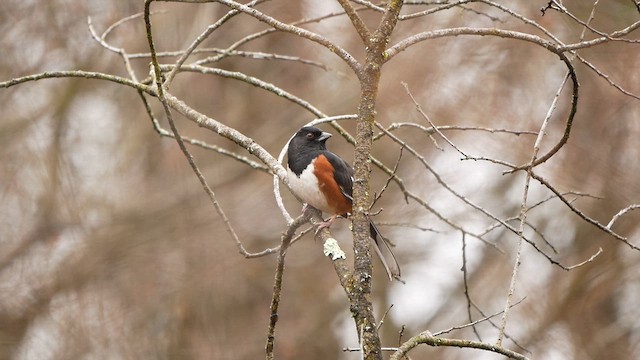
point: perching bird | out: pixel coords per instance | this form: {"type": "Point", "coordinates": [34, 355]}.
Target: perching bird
{"type": "Point", "coordinates": [323, 180]}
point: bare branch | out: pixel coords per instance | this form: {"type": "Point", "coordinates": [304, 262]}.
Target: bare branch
{"type": "Point", "coordinates": [203, 144]}
{"type": "Point", "coordinates": [466, 288]}
{"type": "Point", "coordinates": [228, 51]}
{"type": "Point", "coordinates": [474, 323]}
{"type": "Point", "coordinates": [607, 78]}
{"type": "Point", "coordinates": [601, 40]}
{"type": "Point", "coordinates": [202, 37]}
{"type": "Point", "coordinates": [230, 133]}
{"type": "Point", "coordinates": [586, 25]}
{"type": "Point", "coordinates": [516, 265]}
{"type": "Point", "coordinates": [343, 54]}
{"type": "Point", "coordinates": [285, 241]}
{"type": "Point", "coordinates": [621, 213]}
{"type": "Point", "coordinates": [593, 257]}
{"type": "Point", "coordinates": [431, 130]}
{"type": "Point", "coordinates": [426, 117]}
{"type": "Point", "coordinates": [178, 137]}
{"type": "Point", "coordinates": [495, 326]}
{"type": "Point", "coordinates": [428, 339]}
{"type": "Point", "coordinates": [434, 10]}
{"type": "Point", "coordinates": [121, 22]}
{"type": "Point", "coordinates": [394, 50]}
{"type": "Point", "coordinates": [406, 225]}
{"type": "Point", "coordinates": [356, 20]}
{"type": "Point", "coordinates": [384, 316]}
{"type": "Point", "coordinates": [583, 216]}
{"type": "Point", "coordinates": [253, 81]}
{"type": "Point", "coordinates": [77, 74]}
{"type": "Point", "coordinates": [257, 55]}
{"type": "Point", "coordinates": [379, 194]}
{"type": "Point", "coordinates": [507, 34]}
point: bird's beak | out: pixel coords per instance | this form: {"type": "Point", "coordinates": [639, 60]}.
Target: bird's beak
{"type": "Point", "coordinates": [324, 136]}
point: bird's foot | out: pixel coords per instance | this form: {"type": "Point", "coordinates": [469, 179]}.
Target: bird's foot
{"type": "Point", "coordinates": [325, 224]}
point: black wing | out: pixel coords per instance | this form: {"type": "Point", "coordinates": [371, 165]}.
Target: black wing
{"type": "Point", "coordinates": [343, 173]}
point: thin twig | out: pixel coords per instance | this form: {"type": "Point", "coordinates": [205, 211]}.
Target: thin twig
{"type": "Point", "coordinates": [406, 225]}
{"type": "Point", "coordinates": [226, 52]}
{"type": "Point", "coordinates": [202, 37]}
{"type": "Point", "coordinates": [384, 316]}
{"type": "Point", "coordinates": [120, 22]}
{"type": "Point", "coordinates": [162, 96]}
{"type": "Point", "coordinates": [516, 265]}
{"type": "Point", "coordinates": [303, 33]}
{"type": "Point", "coordinates": [431, 130]}
{"type": "Point", "coordinates": [466, 286]}
{"type": "Point", "coordinates": [474, 323]}
{"type": "Point", "coordinates": [257, 55]}
{"type": "Point", "coordinates": [593, 257]}
{"type": "Point", "coordinates": [621, 213]}
{"type": "Point", "coordinates": [379, 194]}
{"type": "Point", "coordinates": [463, 198]}
{"type": "Point", "coordinates": [285, 241]}
{"type": "Point", "coordinates": [495, 326]}
{"type": "Point", "coordinates": [205, 145]}
{"type": "Point", "coordinates": [607, 78]}
{"type": "Point", "coordinates": [252, 81]}
{"type": "Point", "coordinates": [78, 74]}
{"type": "Point", "coordinates": [429, 339]}
{"type": "Point", "coordinates": [582, 215]}
{"type": "Point", "coordinates": [434, 10]}
{"type": "Point", "coordinates": [426, 117]}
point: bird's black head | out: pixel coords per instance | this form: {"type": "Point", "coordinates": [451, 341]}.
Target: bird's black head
{"type": "Point", "coordinates": [308, 138]}
{"type": "Point", "coordinates": [305, 145]}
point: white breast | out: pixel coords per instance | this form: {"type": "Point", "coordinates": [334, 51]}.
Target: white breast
{"type": "Point", "coordinates": [307, 189]}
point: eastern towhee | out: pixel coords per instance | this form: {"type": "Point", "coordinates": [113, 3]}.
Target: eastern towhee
{"type": "Point", "coordinates": [323, 180]}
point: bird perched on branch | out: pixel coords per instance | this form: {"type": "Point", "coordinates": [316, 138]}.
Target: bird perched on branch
{"type": "Point", "coordinates": [323, 180]}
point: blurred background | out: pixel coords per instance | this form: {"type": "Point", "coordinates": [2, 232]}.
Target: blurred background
{"type": "Point", "coordinates": [110, 248]}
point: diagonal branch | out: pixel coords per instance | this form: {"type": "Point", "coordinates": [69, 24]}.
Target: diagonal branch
{"type": "Point", "coordinates": [388, 23]}
{"type": "Point", "coordinates": [356, 20]}
{"type": "Point", "coordinates": [582, 215]}
{"type": "Point", "coordinates": [163, 96]}
{"type": "Point", "coordinates": [77, 74]}
{"type": "Point", "coordinates": [230, 133]}
{"type": "Point", "coordinates": [202, 37]}
{"type": "Point", "coordinates": [285, 241]}
{"type": "Point", "coordinates": [427, 338]}
{"type": "Point", "coordinates": [507, 34]}
{"type": "Point", "coordinates": [291, 29]}
{"type": "Point", "coordinates": [554, 48]}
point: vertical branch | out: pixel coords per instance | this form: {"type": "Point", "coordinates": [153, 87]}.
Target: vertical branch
{"type": "Point", "coordinates": [360, 26]}
{"type": "Point", "coordinates": [534, 161]}
{"type": "Point", "coordinates": [466, 284]}
{"type": "Point", "coordinates": [516, 265]}
{"type": "Point", "coordinates": [161, 96]}
{"type": "Point", "coordinates": [369, 77]}
{"type": "Point", "coordinates": [523, 209]}
{"type": "Point", "coordinates": [277, 286]}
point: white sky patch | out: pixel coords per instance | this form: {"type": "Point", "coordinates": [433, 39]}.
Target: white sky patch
{"type": "Point", "coordinates": [427, 282]}
{"type": "Point", "coordinates": [94, 139]}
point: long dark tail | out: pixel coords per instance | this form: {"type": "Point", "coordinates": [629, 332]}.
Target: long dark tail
{"type": "Point", "coordinates": [383, 248]}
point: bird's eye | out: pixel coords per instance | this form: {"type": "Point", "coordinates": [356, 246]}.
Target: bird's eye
{"type": "Point", "coordinates": [310, 136]}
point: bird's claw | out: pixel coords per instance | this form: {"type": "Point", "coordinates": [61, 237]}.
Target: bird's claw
{"type": "Point", "coordinates": [325, 224]}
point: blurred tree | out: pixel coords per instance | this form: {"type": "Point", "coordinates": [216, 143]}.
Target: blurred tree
{"type": "Point", "coordinates": [516, 190]}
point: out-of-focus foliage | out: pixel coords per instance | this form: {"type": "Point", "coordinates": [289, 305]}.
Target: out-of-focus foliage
{"type": "Point", "coordinates": [111, 249]}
